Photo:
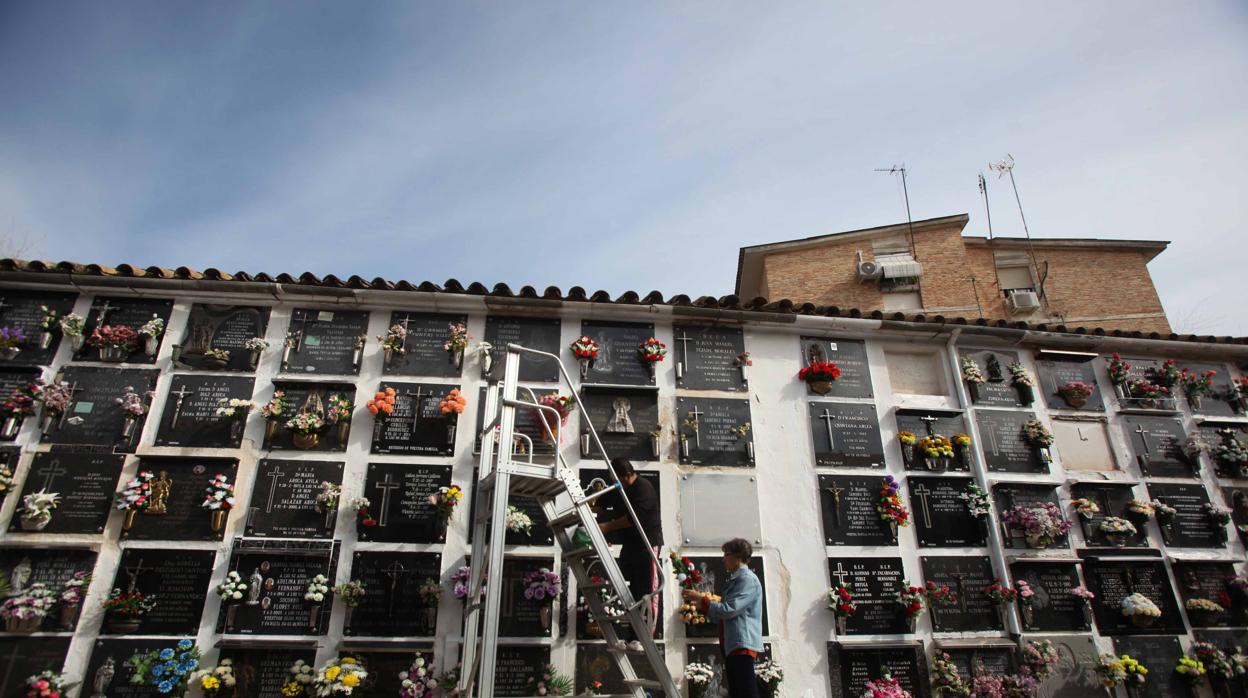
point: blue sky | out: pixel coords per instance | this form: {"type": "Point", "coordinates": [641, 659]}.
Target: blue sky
{"type": "Point", "coordinates": [615, 145]}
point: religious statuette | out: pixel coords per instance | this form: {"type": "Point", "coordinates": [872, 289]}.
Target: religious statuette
{"type": "Point", "coordinates": [160, 495]}
{"type": "Point", "coordinates": [103, 678]}
{"type": "Point", "coordinates": [253, 590]}
{"type": "Point", "coordinates": [20, 575]}
{"type": "Point", "coordinates": [621, 423]}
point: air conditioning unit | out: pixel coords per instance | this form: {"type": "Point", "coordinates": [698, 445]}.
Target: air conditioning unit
{"type": "Point", "coordinates": [868, 270]}
{"type": "Point", "coordinates": [1022, 302]}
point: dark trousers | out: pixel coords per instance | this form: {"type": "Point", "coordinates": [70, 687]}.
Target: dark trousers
{"type": "Point", "coordinates": [641, 574]}
{"type": "Point", "coordinates": [739, 670]}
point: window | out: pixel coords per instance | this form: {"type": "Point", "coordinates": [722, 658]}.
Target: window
{"type": "Point", "coordinates": [1015, 279]}
{"type": "Point", "coordinates": [906, 300]}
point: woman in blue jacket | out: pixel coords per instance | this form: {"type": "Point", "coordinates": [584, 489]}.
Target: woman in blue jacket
{"type": "Point", "coordinates": [740, 616]}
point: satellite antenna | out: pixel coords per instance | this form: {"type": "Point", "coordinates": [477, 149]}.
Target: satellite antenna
{"type": "Point", "coordinates": [901, 169]}
{"type": "Point", "coordinates": [1003, 168]}
{"type": "Point", "coordinates": [983, 191]}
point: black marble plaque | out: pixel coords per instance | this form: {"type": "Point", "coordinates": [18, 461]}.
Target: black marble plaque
{"type": "Point", "coordinates": [1053, 607]}
{"type": "Point", "coordinates": [424, 350]}
{"type": "Point", "coordinates": [50, 566]}
{"type": "Point", "coordinates": [24, 309]}
{"type": "Point", "coordinates": [1007, 495]}
{"type": "Point", "coordinates": [417, 426]}
{"type": "Point", "coordinates": [120, 650]}
{"type": "Point", "coordinates": [855, 665]}
{"type": "Point", "coordinates": [398, 494]}
{"type": "Point", "coordinates": [1217, 402]}
{"type": "Point", "coordinates": [184, 519]}
{"type": "Point", "coordinates": [1113, 580]}
{"type": "Point", "coordinates": [594, 663]}
{"type": "Point", "coordinates": [1005, 449]}
{"type": "Point", "coordinates": [1192, 526]}
{"type": "Point", "coordinates": [940, 515]}
{"type": "Point", "coordinates": [1112, 499]}
{"type": "Point", "coordinates": [1206, 579]}
{"type": "Point", "coordinates": [624, 420]}
{"type": "Point", "coordinates": [1159, 653]}
{"type": "Point", "coordinates": [998, 389]}
{"type": "Point", "coordinates": [85, 482]}
{"type": "Point", "coordinates": [1156, 443]}
{"type": "Point", "coordinates": [873, 581]}
{"type": "Point", "coordinates": [194, 421]}
{"type": "Point", "coordinates": [94, 417]}
{"type": "Point", "coordinates": [845, 435]}
{"type": "Point", "coordinates": [286, 567]}
{"type": "Point", "coordinates": [987, 660]}
{"type": "Point", "coordinates": [847, 506]}
{"type": "Point", "coordinates": [716, 578]}
{"type": "Point", "coordinates": [540, 533]}
{"type": "Point", "coordinates": [966, 576]}
{"type": "Point", "coordinates": [11, 378]}
{"type": "Point", "coordinates": [541, 334]}
{"type": "Point", "coordinates": [391, 605]}
{"type": "Point", "coordinates": [618, 362]}
{"type": "Point", "coordinates": [21, 657]}
{"type": "Point", "coordinates": [326, 341]}
{"type": "Point", "coordinates": [298, 394]}
{"type": "Point", "coordinates": [526, 423]}
{"type": "Point", "coordinates": [716, 441]}
{"type": "Point", "coordinates": [850, 355]}
{"type": "Point", "coordinates": [521, 617]}
{"type": "Point", "coordinates": [225, 327]}
{"type": "Point", "coordinates": [1212, 433]}
{"type": "Point", "coordinates": [921, 422]}
{"type": "Point", "coordinates": [131, 312]}
{"type": "Point", "coordinates": [1054, 374]}
{"type": "Point", "coordinates": [709, 358]}
{"type": "Point", "coordinates": [513, 666]}
{"type": "Point", "coordinates": [262, 672]}
{"type": "Point", "coordinates": [283, 499]}
{"type": "Point", "coordinates": [176, 579]}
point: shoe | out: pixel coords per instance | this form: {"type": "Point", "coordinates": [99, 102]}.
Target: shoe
{"type": "Point", "coordinates": [634, 646]}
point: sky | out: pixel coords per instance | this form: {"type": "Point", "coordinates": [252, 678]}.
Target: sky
{"type": "Point", "coordinates": [616, 145]}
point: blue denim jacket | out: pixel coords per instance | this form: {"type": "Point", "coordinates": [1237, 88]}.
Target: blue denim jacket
{"type": "Point", "coordinates": [740, 612]}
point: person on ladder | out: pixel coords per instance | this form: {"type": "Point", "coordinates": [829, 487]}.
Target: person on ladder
{"type": "Point", "coordinates": [636, 563]}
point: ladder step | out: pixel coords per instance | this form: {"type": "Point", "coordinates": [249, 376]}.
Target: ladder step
{"type": "Point", "coordinates": [565, 519]}
{"type": "Point", "coordinates": [625, 650]}
{"type": "Point", "coordinates": [580, 554]}
{"type": "Point", "coordinates": [642, 683]}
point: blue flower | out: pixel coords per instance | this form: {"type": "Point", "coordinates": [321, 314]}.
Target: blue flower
{"type": "Point", "coordinates": [185, 644]}
{"type": "Point", "coordinates": [158, 670]}
{"type": "Point", "coordinates": [166, 653]}
{"type": "Point", "coordinates": [192, 665]}
{"type": "Point", "coordinates": [165, 686]}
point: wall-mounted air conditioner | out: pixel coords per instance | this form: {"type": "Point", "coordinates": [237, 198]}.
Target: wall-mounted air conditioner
{"type": "Point", "coordinates": [869, 270]}
{"type": "Point", "coordinates": [1022, 302]}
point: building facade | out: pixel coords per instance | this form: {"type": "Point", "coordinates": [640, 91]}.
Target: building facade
{"type": "Point", "coordinates": [737, 443]}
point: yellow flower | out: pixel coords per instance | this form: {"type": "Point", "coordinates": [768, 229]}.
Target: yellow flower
{"type": "Point", "coordinates": [347, 660]}
{"type": "Point", "coordinates": [350, 680]}
{"type": "Point", "coordinates": [332, 672]}
{"type": "Point", "coordinates": [211, 683]}
{"type": "Point", "coordinates": [291, 689]}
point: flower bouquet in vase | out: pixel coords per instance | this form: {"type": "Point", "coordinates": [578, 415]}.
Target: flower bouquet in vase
{"type": "Point", "coordinates": [275, 412]}
{"type": "Point", "coordinates": [360, 506]}
{"type": "Point", "coordinates": [1196, 386]}
{"type": "Point", "coordinates": [351, 593]}
{"type": "Point", "coordinates": [167, 670]}
{"type": "Point", "coordinates": [114, 342]}
{"type": "Point", "coordinates": [689, 577]}
{"type": "Point", "coordinates": [910, 602]}
{"type": "Point", "coordinates": [972, 376]}
{"type": "Point", "coordinates": [24, 610]}
{"type": "Point", "coordinates": [451, 406]}
{"type": "Point", "coordinates": [885, 687]}
{"type": "Point", "coordinates": [1041, 523]}
{"type": "Point", "coordinates": [889, 506]}
{"type": "Point", "coordinates": [549, 682]}
{"type": "Point", "coordinates": [456, 342]}
{"type": "Point", "coordinates": [255, 347]}
{"type": "Point", "coordinates": [218, 500]}
{"type": "Point", "coordinates": [418, 680]}
{"type": "Point", "coordinates": [553, 422]}
{"type": "Point", "coordinates": [125, 610]}
{"type": "Point", "coordinates": [518, 521]}
{"type": "Point", "coordinates": [1203, 612]}
{"type": "Point", "coordinates": [946, 679]}
{"type": "Point", "coordinates": [236, 411]}
{"type": "Point", "coordinates": [1040, 439]}
{"type": "Point", "coordinates": [36, 510]}
{"type": "Point", "coordinates": [1193, 673]}
{"type": "Point", "coordinates": [135, 497]}
{"type": "Point", "coordinates": [1140, 610]}
{"type": "Point", "coordinates": [56, 397]}
{"type": "Point", "coordinates": [20, 405]}
{"type": "Point", "coordinates": [586, 351]}
{"type": "Point", "coordinates": [698, 677]}
{"type": "Point", "coordinates": [1040, 657]}
{"type": "Point", "coordinates": [841, 603]}
{"type": "Point", "coordinates": [338, 677]}
{"type": "Point", "coordinates": [1023, 383]}
{"type": "Point", "coordinates": [73, 592]}
{"type": "Point", "coordinates": [1075, 393]}
{"type": "Point", "coordinates": [1218, 667]}
{"type": "Point", "coordinates": [1085, 597]}
{"type": "Point", "coordinates": [133, 406]}
{"type": "Point", "coordinates": [231, 593]}
{"type": "Point", "coordinates": [430, 592]}
{"type": "Point", "coordinates": [1026, 597]}
{"type": "Point", "coordinates": [936, 452]}
{"type": "Point", "coordinates": [217, 359]}
{"type": "Point", "coordinates": [216, 682]}
{"type": "Point", "coordinates": [338, 412]}
{"type": "Point", "coordinates": [651, 352]}
{"type": "Point", "coordinates": [939, 596]}
{"type": "Point", "coordinates": [1001, 596]}
{"type": "Point", "coordinates": [819, 376]}
{"type": "Point", "coordinates": [48, 684]}
{"type": "Point", "coordinates": [907, 439]}
{"type": "Point", "coordinates": [1117, 531]}
{"type": "Point", "coordinates": [393, 343]}
{"type": "Point", "coordinates": [326, 501]}
{"type": "Point", "coordinates": [306, 428]}
{"type": "Point", "coordinates": [445, 500]}
{"type": "Point", "coordinates": [74, 327]}
{"type": "Point", "coordinates": [151, 332]}
{"type": "Point", "coordinates": [317, 590]}
{"type": "Point", "coordinates": [540, 585]}
{"type": "Point", "coordinates": [769, 675]}
{"type": "Point", "coordinates": [49, 326]}
{"type": "Point", "coordinates": [1218, 517]}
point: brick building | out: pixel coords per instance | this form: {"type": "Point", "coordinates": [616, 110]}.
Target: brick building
{"type": "Point", "coordinates": [931, 267]}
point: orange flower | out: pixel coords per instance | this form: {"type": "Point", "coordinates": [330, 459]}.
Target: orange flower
{"type": "Point", "coordinates": [383, 401]}
{"type": "Point", "coordinates": [453, 403]}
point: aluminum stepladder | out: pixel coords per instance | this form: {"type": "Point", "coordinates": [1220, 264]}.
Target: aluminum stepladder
{"type": "Point", "coordinates": [566, 506]}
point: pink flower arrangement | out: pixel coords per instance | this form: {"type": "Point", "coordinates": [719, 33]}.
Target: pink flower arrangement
{"type": "Point", "coordinates": [1042, 523]}
{"type": "Point", "coordinates": [542, 584]}
{"type": "Point", "coordinates": [132, 403]}
{"type": "Point", "coordinates": [1083, 593]}
{"type": "Point", "coordinates": [114, 336]}
{"type": "Point", "coordinates": [56, 397]}
{"type": "Point", "coordinates": [885, 687]}
{"type": "Point", "coordinates": [1025, 593]}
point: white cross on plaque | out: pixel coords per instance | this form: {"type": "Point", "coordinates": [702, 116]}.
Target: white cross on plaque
{"type": "Point", "coordinates": [827, 421]}
{"type": "Point", "coordinates": [697, 430]}
{"type": "Point", "coordinates": [383, 513]}
{"type": "Point", "coordinates": [840, 573]}
{"type": "Point", "coordinates": [1139, 429]}
{"type": "Point", "coordinates": [922, 492]}
{"type": "Point", "coordinates": [275, 474]}
{"type": "Point", "coordinates": [416, 396]}
{"type": "Point", "coordinates": [104, 309]}
{"type": "Point", "coordinates": [50, 473]}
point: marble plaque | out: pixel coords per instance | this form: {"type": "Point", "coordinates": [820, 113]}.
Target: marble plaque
{"type": "Point", "coordinates": [847, 505]}
{"type": "Point", "coordinates": [1053, 607]}
{"type": "Point", "coordinates": [24, 310]}
{"type": "Point", "coordinates": [1007, 495]}
{"type": "Point", "coordinates": [94, 417]}
{"type": "Point", "coordinates": [921, 422]}
{"type": "Point", "coordinates": [618, 362]}
{"type": "Point", "coordinates": [119, 650]}
{"type": "Point", "coordinates": [1157, 443]}
{"type": "Point", "coordinates": [417, 426]}
{"type": "Point", "coordinates": [1114, 580]}
{"type": "Point", "coordinates": [853, 665]}
{"type": "Point", "coordinates": [940, 515]}
{"type": "Point", "coordinates": [849, 355]}
{"type": "Point", "coordinates": [130, 312]}
{"type": "Point", "coordinates": [220, 327]}
{"type": "Point", "coordinates": [845, 435]}
{"type": "Point", "coordinates": [262, 672]}
{"type": "Point", "coordinates": [286, 566]}
{"type": "Point", "coordinates": [392, 605]}
{"type": "Point", "coordinates": [325, 341]}
{"type": "Point", "coordinates": [1112, 500]}
{"type": "Point", "coordinates": [625, 421]}
{"type": "Point", "coordinates": [710, 358]}
{"type": "Point", "coordinates": [1005, 448]}
{"type": "Point", "coordinates": [998, 389]}
{"type": "Point", "coordinates": [715, 431]}
{"type": "Point", "coordinates": [184, 517]}
{"type": "Point", "coordinates": [307, 395]}
{"type": "Point", "coordinates": [177, 580]}
{"type": "Point", "coordinates": [1054, 374]}
{"type": "Point", "coordinates": [704, 518]}
{"type": "Point", "coordinates": [283, 499]}
{"type": "Point", "coordinates": [190, 417]}
{"type": "Point", "coordinates": [424, 350]}
{"type": "Point", "coordinates": [1192, 526]}
{"type": "Point", "coordinates": [1159, 653]}
{"type": "Point", "coordinates": [399, 502]}
{"type": "Point", "coordinates": [873, 581]}
{"type": "Point", "coordinates": [22, 656]}
{"type": "Point", "coordinates": [966, 576]}
{"type": "Point", "coordinates": [541, 334]}
{"type": "Point", "coordinates": [1207, 580]}
{"type": "Point", "coordinates": [513, 666]}
{"type": "Point", "coordinates": [594, 663]}
{"type": "Point", "coordinates": [50, 566]}
{"type": "Point", "coordinates": [716, 579]}
{"type": "Point", "coordinates": [85, 482]}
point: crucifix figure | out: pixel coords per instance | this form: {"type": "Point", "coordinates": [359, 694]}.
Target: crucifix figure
{"type": "Point", "coordinates": [133, 573]}
{"type": "Point", "coordinates": [50, 473]}
{"type": "Point", "coordinates": [416, 396]}
{"type": "Point", "coordinates": [928, 420]}
{"type": "Point", "coordinates": [1139, 429]}
{"type": "Point", "coordinates": [959, 578]}
{"type": "Point", "coordinates": [696, 415]}
{"type": "Point", "coordinates": [383, 513]}
{"type": "Point", "coordinates": [827, 417]}
{"type": "Point", "coordinates": [840, 573]}
{"type": "Point", "coordinates": [275, 474]}
{"type": "Point", "coordinates": [836, 492]}
{"type": "Point", "coordinates": [181, 392]}
{"type": "Point", "coordinates": [815, 353]}
{"type": "Point", "coordinates": [395, 572]}
{"type": "Point", "coordinates": [104, 309]}
{"type": "Point", "coordinates": [922, 493]}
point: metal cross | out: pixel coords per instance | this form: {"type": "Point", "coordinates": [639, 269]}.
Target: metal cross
{"type": "Point", "coordinates": [684, 345]}
{"type": "Point", "coordinates": [416, 401]}
{"type": "Point", "coordinates": [958, 578]}
{"type": "Point", "coordinates": [308, 316]}
{"type": "Point", "coordinates": [385, 486]}
{"type": "Point", "coordinates": [104, 311]}
{"type": "Point", "coordinates": [1139, 429]}
{"type": "Point", "coordinates": [51, 472]}
{"type": "Point", "coordinates": [69, 404]}
{"type": "Point", "coordinates": [277, 473]}
{"type": "Point", "coordinates": [395, 572]}
{"type": "Point", "coordinates": [840, 573]}
{"type": "Point", "coordinates": [697, 430]}
{"type": "Point", "coordinates": [836, 493]}
{"type": "Point", "coordinates": [181, 392]}
{"type": "Point", "coordinates": [827, 421]}
{"type": "Point", "coordinates": [928, 420]}
{"type": "Point", "coordinates": [922, 492]}
{"type": "Point", "coordinates": [133, 573]}
{"type": "Point", "coordinates": [407, 319]}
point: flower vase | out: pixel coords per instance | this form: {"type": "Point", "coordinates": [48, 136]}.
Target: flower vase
{"type": "Point", "coordinates": [306, 441]}
{"type": "Point", "coordinates": [314, 617]}
{"type": "Point", "coordinates": [253, 359]}
{"type": "Point", "coordinates": [1142, 621]}
{"type": "Point", "coordinates": [287, 350]}
{"type": "Point", "coordinates": [912, 623]}
{"type": "Point", "coordinates": [451, 424]}
{"type": "Point", "coordinates": [1037, 542]}
{"type": "Point", "coordinates": [972, 389]}
{"type": "Point", "coordinates": [151, 345]}
{"type": "Point", "coordinates": [1044, 455]}
{"type": "Point", "coordinates": [1003, 616]}
{"type": "Point", "coordinates": [544, 614]}
{"type": "Point", "coordinates": [236, 429]}
{"type": "Point", "coordinates": [127, 429]}
{"type": "Point", "coordinates": [744, 377]}
{"type": "Point", "coordinates": [586, 364]}
{"type": "Point", "coordinates": [584, 444]}
{"type": "Point", "coordinates": [1167, 533]}
{"type": "Point", "coordinates": [1089, 531]}
{"type": "Point", "coordinates": [270, 429]}
{"type": "Point", "coordinates": [23, 625]}
{"type": "Point", "coordinates": [1193, 401]}
{"type": "Point", "coordinates": [344, 433]}
{"type": "Point", "coordinates": [1203, 619]}
{"type": "Point", "coordinates": [684, 448]}
{"type": "Point", "coordinates": [357, 354]}
{"type": "Point", "coordinates": [12, 425]}
{"type": "Point", "coordinates": [1118, 540]}
{"type": "Point", "coordinates": [9, 353]}
{"type": "Point", "coordinates": [749, 450]}
{"type": "Point", "coordinates": [841, 622]}
{"type": "Point", "coordinates": [1029, 614]}
{"type": "Point", "coordinates": [821, 387]}
{"type": "Point", "coordinates": [218, 519]}
{"type": "Point", "coordinates": [654, 446]}
{"type": "Point", "coordinates": [77, 342]}
{"type": "Point", "coordinates": [387, 355]}
{"type": "Point", "coordinates": [231, 610]}
{"type": "Point", "coordinates": [1075, 401]}
{"type": "Point", "coordinates": [457, 358]}
{"type": "Point", "coordinates": [113, 354]}
{"type": "Point", "coordinates": [128, 521]}
{"type": "Point", "coordinates": [176, 354]}
{"type": "Point", "coordinates": [1026, 395]}
{"type": "Point", "coordinates": [892, 530]}
{"type": "Point", "coordinates": [346, 619]}
{"type": "Point", "coordinates": [45, 340]}
{"type": "Point", "coordinates": [35, 523]}
{"type": "Point", "coordinates": [69, 615]}
{"type": "Point", "coordinates": [123, 626]}
{"type": "Point", "coordinates": [697, 691]}
{"type": "Point", "coordinates": [1087, 614]}
{"type": "Point", "coordinates": [431, 620]}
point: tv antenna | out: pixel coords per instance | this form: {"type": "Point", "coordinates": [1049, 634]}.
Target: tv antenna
{"type": "Point", "coordinates": [901, 169]}
{"type": "Point", "coordinates": [1003, 168]}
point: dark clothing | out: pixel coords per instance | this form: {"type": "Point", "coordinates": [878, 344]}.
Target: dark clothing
{"type": "Point", "coordinates": [642, 575]}
{"type": "Point", "coordinates": [645, 501]}
{"type": "Point", "coordinates": [739, 670]}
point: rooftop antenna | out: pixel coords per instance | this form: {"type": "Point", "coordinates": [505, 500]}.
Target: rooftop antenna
{"type": "Point", "coordinates": [1003, 168]}
{"type": "Point", "coordinates": [983, 191]}
{"type": "Point", "coordinates": [901, 169]}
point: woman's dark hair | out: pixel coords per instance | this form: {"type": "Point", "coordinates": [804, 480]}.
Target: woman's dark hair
{"type": "Point", "coordinates": [739, 547]}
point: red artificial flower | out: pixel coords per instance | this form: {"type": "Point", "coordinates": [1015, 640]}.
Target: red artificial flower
{"type": "Point", "coordinates": [370, 522]}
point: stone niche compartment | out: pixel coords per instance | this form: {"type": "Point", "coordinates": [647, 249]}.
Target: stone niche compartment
{"type": "Point", "coordinates": [190, 418]}
{"type": "Point", "coordinates": [1112, 580]}
{"type": "Point", "coordinates": [178, 579]}
{"type": "Point", "coordinates": [1156, 443]}
{"type": "Point", "coordinates": [715, 577]}
{"type": "Point", "coordinates": [86, 483]}
{"type": "Point", "coordinates": [1054, 373]}
{"type": "Point", "coordinates": [853, 665]}
{"type": "Point", "coordinates": [998, 389]}
{"type": "Point", "coordinates": [541, 334]}
{"type": "Point", "coordinates": [115, 652]}
{"type": "Point", "coordinates": [1005, 449]}
{"type": "Point", "coordinates": [710, 358]}
{"type": "Point", "coordinates": [1156, 651]}
{"type": "Point", "coordinates": [398, 494]}
{"type": "Point", "coordinates": [594, 663]}
{"type": "Point", "coordinates": [540, 534]}
{"type": "Point", "coordinates": [94, 418]}
{"type": "Point", "coordinates": [873, 581]}
{"type": "Point", "coordinates": [417, 427]}
{"type": "Point", "coordinates": [392, 606]}
{"type": "Point", "coordinates": [52, 567]}
{"type": "Point", "coordinates": [1206, 579]}
{"type": "Point", "coordinates": [704, 518]}
{"type": "Point", "coordinates": [850, 355]}
{"type": "Point", "coordinates": [1111, 498]}
{"type": "Point", "coordinates": [940, 516]}
{"type": "Point", "coordinates": [184, 518]}
{"type": "Point", "coordinates": [130, 312]}
{"type": "Point", "coordinates": [966, 576]}
{"type": "Point", "coordinates": [1053, 607]}
{"type": "Point", "coordinates": [1007, 495]}
{"type": "Point", "coordinates": [424, 353]}
{"type": "Point", "coordinates": [710, 431]}
{"type": "Point", "coordinates": [325, 342]}
{"type": "Point", "coordinates": [220, 327]}
{"type": "Point", "coordinates": [285, 568]}
{"type": "Point", "coordinates": [262, 671]}
{"type": "Point", "coordinates": [24, 310]}
{"type": "Point", "coordinates": [1192, 527]}
{"type": "Point", "coordinates": [924, 422]}
{"type": "Point", "coordinates": [310, 396]}
{"type": "Point", "coordinates": [527, 424]}
{"type": "Point", "coordinates": [625, 421]}
{"type": "Point", "coordinates": [12, 378]}
{"type": "Point", "coordinates": [845, 435]}
{"type": "Point", "coordinates": [22, 656]}
{"type": "Point", "coordinates": [617, 362]}
{"type": "Point", "coordinates": [981, 657]}
{"type": "Point", "coordinates": [1214, 433]}
{"type": "Point", "coordinates": [283, 499]}
{"type": "Point", "coordinates": [847, 506]}
{"type": "Point", "coordinates": [1083, 443]}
